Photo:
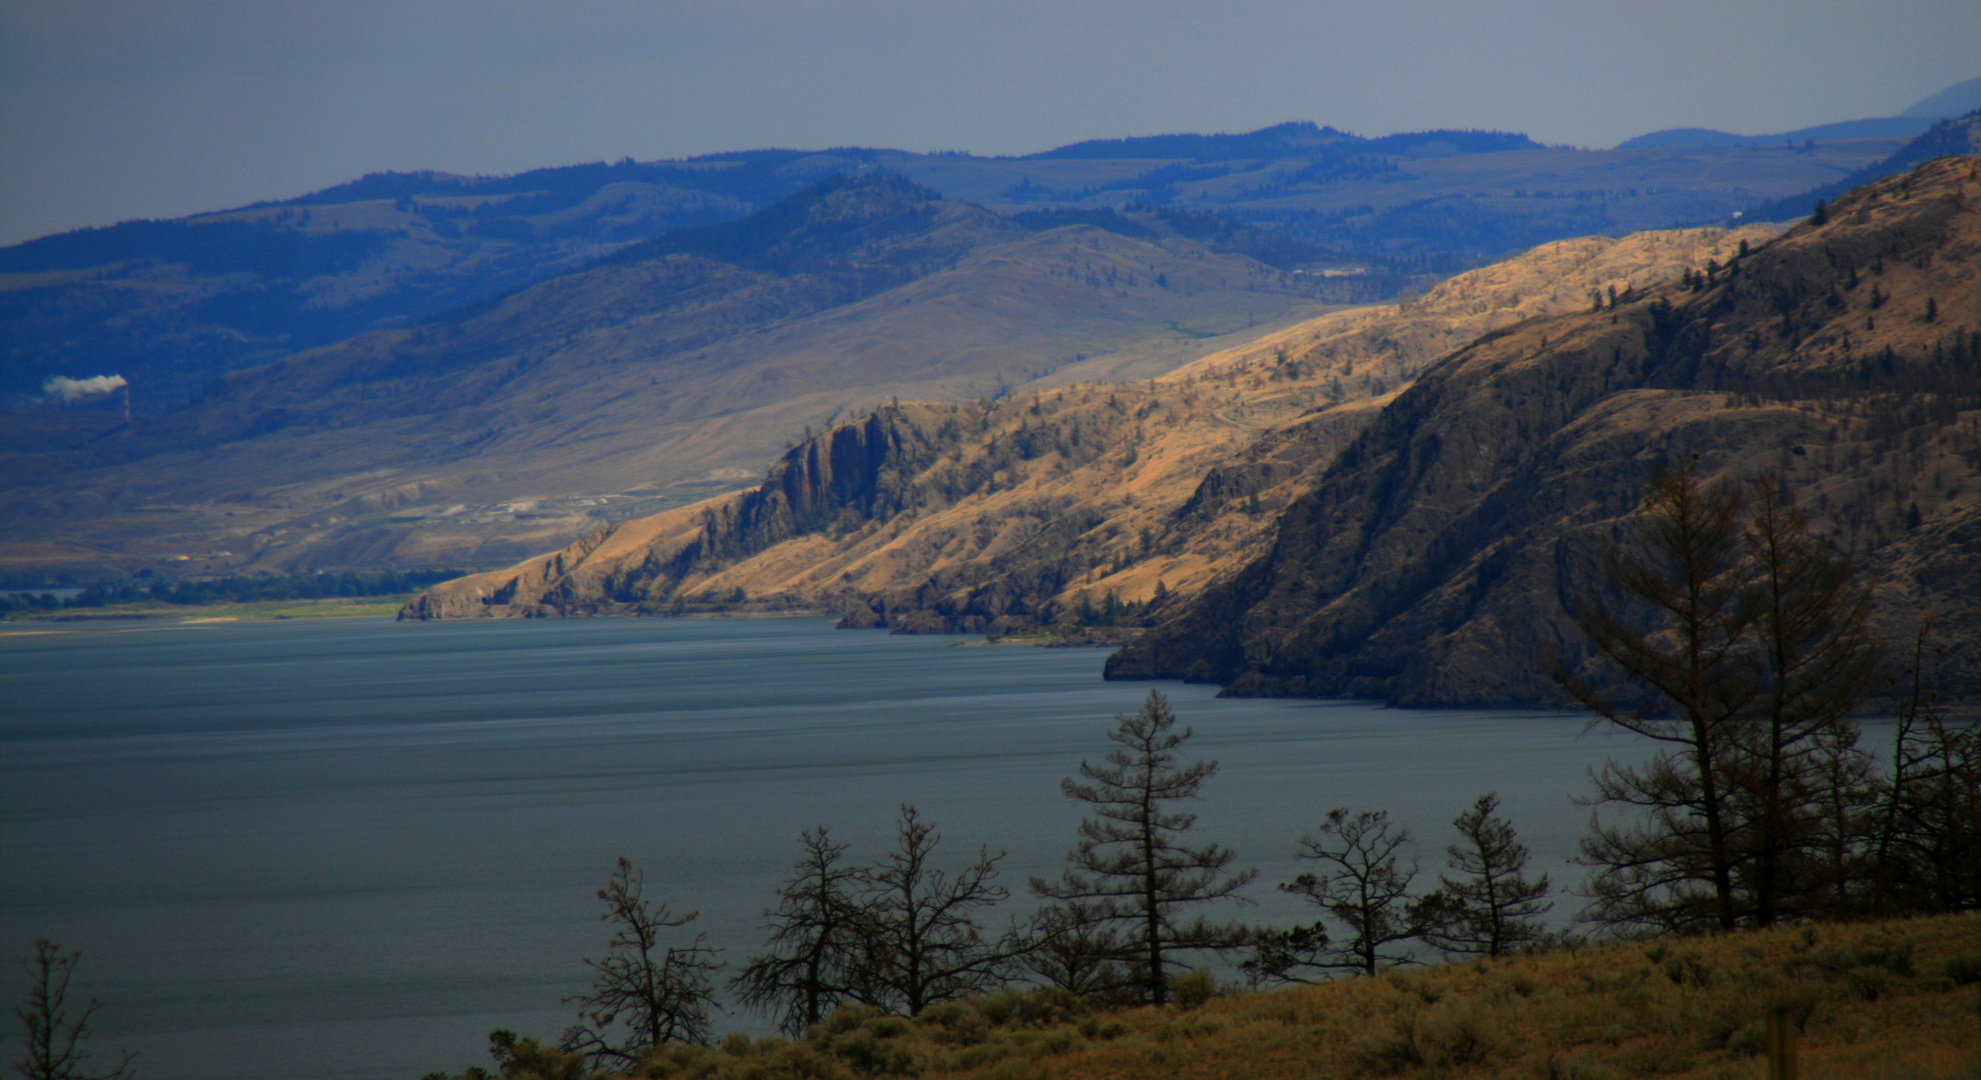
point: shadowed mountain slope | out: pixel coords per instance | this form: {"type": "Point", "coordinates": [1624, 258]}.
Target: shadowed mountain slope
{"type": "Point", "coordinates": [673, 370]}
{"type": "Point", "coordinates": [1434, 562]}
{"type": "Point", "coordinates": [172, 304]}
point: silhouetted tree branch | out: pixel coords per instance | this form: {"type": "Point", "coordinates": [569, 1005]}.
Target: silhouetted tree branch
{"type": "Point", "coordinates": [57, 1029]}
{"type": "Point", "coordinates": [1492, 909]}
{"type": "Point", "coordinates": [655, 993]}
{"type": "Point", "coordinates": [815, 940]}
{"type": "Point", "coordinates": [1362, 886]}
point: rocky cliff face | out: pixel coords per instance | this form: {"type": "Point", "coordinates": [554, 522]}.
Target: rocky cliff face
{"type": "Point", "coordinates": [1436, 559]}
{"type": "Point", "coordinates": [856, 470]}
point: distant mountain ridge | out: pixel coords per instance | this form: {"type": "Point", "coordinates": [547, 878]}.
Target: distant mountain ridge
{"type": "Point", "coordinates": [1880, 127]}
{"type": "Point", "coordinates": [1295, 139]}
{"type": "Point", "coordinates": [1385, 530]}
{"type": "Point", "coordinates": [1073, 502]}
{"type": "Point", "coordinates": [171, 305]}
{"type": "Point", "coordinates": [1955, 100]}
{"type": "Point", "coordinates": [371, 345]}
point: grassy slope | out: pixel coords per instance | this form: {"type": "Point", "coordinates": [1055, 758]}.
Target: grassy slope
{"type": "Point", "coordinates": [1262, 407]}
{"type": "Point", "coordinates": [1876, 1000]}
{"type": "Point", "coordinates": [582, 396]}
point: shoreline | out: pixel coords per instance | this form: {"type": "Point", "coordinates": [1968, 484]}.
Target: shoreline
{"type": "Point", "coordinates": [196, 614]}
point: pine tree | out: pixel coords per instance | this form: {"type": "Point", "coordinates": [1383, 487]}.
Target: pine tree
{"type": "Point", "coordinates": [1818, 663]}
{"type": "Point", "coordinates": [1132, 871]}
{"type": "Point", "coordinates": [1493, 909]}
{"type": "Point", "coordinates": [1755, 645]}
{"type": "Point", "coordinates": [1674, 866]}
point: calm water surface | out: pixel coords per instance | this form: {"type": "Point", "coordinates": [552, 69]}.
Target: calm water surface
{"type": "Point", "coordinates": [347, 850]}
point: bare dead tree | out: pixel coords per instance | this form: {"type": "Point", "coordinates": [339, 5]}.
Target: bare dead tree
{"type": "Point", "coordinates": [57, 1028]}
{"type": "Point", "coordinates": [1362, 886]}
{"type": "Point", "coordinates": [655, 993]}
{"type": "Point", "coordinates": [921, 939]}
{"type": "Point", "coordinates": [1075, 950]}
{"type": "Point", "coordinates": [815, 940]}
{"type": "Point", "coordinates": [1928, 850]}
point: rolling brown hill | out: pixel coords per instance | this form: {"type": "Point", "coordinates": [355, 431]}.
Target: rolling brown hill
{"type": "Point", "coordinates": [1433, 561]}
{"type": "Point", "coordinates": [1034, 509]}
{"type": "Point", "coordinates": [677, 368]}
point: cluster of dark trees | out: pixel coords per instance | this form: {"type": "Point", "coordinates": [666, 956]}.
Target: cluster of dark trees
{"type": "Point", "coordinates": [1748, 648]}
{"type": "Point", "coordinates": [1119, 926]}
{"type": "Point", "coordinates": [1735, 640]}
{"type": "Point", "coordinates": [1113, 610]}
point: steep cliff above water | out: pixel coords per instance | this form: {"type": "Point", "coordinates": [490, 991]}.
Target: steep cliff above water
{"type": "Point", "coordinates": [1434, 561]}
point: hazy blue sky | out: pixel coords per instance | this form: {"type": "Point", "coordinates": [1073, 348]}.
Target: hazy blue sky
{"type": "Point", "coordinates": [114, 110]}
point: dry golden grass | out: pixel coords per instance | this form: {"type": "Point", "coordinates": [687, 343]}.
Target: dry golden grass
{"type": "Point", "coordinates": [1891, 1001]}
{"type": "Point", "coordinates": [1297, 396]}
{"type": "Point", "coordinates": [1875, 1000]}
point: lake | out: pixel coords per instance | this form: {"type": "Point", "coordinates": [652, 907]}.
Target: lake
{"type": "Point", "coordinates": [347, 850]}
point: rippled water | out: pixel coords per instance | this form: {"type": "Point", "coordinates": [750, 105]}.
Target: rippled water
{"type": "Point", "coordinates": [350, 849]}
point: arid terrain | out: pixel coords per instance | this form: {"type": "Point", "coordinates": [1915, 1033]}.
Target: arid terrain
{"type": "Point", "coordinates": [1349, 506]}
{"type": "Point", "coordinates": [1879, 1001]}
{"type": "Point", "coordinates": [678, 368]}
{"type": "Point", "coordinates": [422, 370]}
{"type": "Point", "coordinates": [1005, 515]}
{"type": "Point", "coordinates": [1436, 559]}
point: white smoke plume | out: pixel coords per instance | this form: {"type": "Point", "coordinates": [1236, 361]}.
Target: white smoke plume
{"type": "Point", "coordinates": [69, 391]}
